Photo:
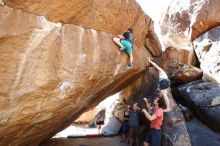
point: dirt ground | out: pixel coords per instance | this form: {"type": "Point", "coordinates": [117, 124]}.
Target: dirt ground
{"type": "Point", "coordinates": [93, 141]}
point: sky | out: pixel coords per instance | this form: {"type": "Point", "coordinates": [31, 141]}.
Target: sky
{"type": "Point", "coordinates": [154, 8]}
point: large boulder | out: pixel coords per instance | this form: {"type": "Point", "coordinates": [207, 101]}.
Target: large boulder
{"type": "Point", "coordinates": [108, 16]}
{"type": "Point", "coordinates": [201, 135]}
{"type": "Point", "coordinates": [185, 74]}
{"type": "Point", "coordinates": [174, 127]}
{"type": "Point", "coordinates": [52, 72]}
{"type": "Point", "coordinates": [152, 42]}
{"type": "Point", "coordinates": [207, 49]}
{"type": "Point", "coordinates": [172, 59]}
{"type": "Point", "coordinates": [88, 117]}
{"type": "Point", "coordinates": [183, 26]}
{"type": "Point", "coordinates": [203, 99]}
{"type": "Point", "coordinates": [185, 21]}
{"type": "Point", "coordinates": [113, 106]}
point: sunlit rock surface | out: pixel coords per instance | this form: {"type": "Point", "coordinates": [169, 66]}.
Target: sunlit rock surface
{"type": "Point", "coordinates": [152, 42]}
{"type": "Point", "coordinates": [53, 72]}
{"type": "Point", "coordinates": [172, 59]}
{"type": "Point", "coordinates": [109, 16]}
{"type": "Point", "coordinates": [207, 49]}
{"type": "Point", "coordinates": [113, 105]}
{"type": "Point", "coordinates": [88, 116]}
{"type": "Point", "coordinates": [185, 74]}
{"type": "Point", "coordinates": [186, 26]}
{"type": "Point", "coordinates": [186, 20]}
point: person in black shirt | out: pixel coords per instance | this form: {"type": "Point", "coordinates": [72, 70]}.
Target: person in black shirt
{"type": "Point", "coordinates": [131, 38]}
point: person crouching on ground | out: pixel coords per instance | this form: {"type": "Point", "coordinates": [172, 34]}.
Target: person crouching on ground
{"type": "Point", "coordinates": [133, 122]}
{"type": "Point", "coordinates": [154, 136]}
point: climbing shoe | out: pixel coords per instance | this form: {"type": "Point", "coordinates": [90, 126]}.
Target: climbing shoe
{"type": "Point", "coordinates": [121, 49]}
{"type": "Point", "coordinates": [130, 65]}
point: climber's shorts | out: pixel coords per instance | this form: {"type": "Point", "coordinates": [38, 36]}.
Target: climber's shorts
{"type": "Point", "coordinates": [125, 128]}
{"type": "Point", "coordinates": [100, 123]}
{"type": "Point", "coordinates": [154, 137]}
{"type": "Point", "coordinates": [127, 45]}
{"type": "Point", "coordinates": [164, 84]}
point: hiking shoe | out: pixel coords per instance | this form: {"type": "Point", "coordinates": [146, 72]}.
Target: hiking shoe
{"type": "Point", "coordinates": [121, 49]}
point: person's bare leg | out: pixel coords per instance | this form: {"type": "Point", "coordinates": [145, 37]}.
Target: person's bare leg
{"type": "Point", "coordinates": [131, 138]}
{"type": "Point", "coordinates": [123, 137]}
{"type": "Point", "coordinates": [166, 99]}
{"type": "Point", "coordinates": [131, 58]}
{"type": "Point", "coordinates": [126, 137]}
{"type": "Point", "coordinates": [146, 144]}
{"type": "Point", "coordinates": [136, 136]}
{"type": "Point", "coordinates": [99, 128]}
{"type": "Point", "coordinates": [131, 141]}
{"type": "Point", "coordinates": [117, 41]}
{"type": "Point", "coordinates": [136, 139]}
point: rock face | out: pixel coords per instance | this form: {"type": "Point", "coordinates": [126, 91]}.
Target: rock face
{"type": "Point", "coordinates": [53, 72]}
{"type": "Point", "coordinates": [94, 141]}
{"type": "Point", "coordinates": [112, 105]}
{"type": "Point", "coordinates": [172, 59]}
{"type": "Point", "coordinates": [188, 115]}
{"type": "Point", "coordinates": [185, 21]}
{"type": "Point", "coordinates": [109, 16]}
{"type": "Point", "coordinates": [207, 49]}
{"type": "Point", "coordinates": [203, 98]}
{"type": "Point", "coordinates": [201, 135]}
{"type": "Point", "coordinates": [88, 116]}
{"type": "Point", "coordinates": [152, 42]}
{"type": "Point", "coordinates": [186, 73]}
{"type": "Point", "coordinates": [174, 127]}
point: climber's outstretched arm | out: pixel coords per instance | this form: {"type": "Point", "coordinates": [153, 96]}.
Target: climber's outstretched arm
{"type": "Point", "coordinates": [155, 65]}
{"type": "Point", "coordinates": [148, 116]}
{"type": "Point", "coordinates": [166, 99]}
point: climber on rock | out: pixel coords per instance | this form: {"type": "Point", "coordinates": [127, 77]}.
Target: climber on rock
{"type": "Point", "coordinates": [156, 119]}
{"type": "Point", "coordinates": [126, 43]}
{"type": "Point", "coordinates": [164, 84]}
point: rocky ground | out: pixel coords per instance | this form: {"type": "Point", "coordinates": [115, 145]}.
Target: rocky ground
{"type": "Point", "coordinates": [205, 137]}
{"type": "Point", "coordinates": [61, 139]}
{"type": "Point", "coordinates": [95, 141]}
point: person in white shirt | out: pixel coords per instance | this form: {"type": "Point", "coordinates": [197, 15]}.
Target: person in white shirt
{"type": "Point", "coordinates": [164, 84]}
